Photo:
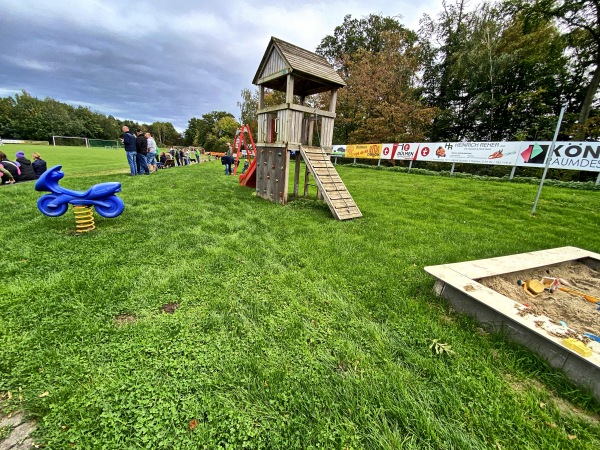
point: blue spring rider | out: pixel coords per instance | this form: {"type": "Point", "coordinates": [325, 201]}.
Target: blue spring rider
{"type": "Point", "coordinates": [101, 196]}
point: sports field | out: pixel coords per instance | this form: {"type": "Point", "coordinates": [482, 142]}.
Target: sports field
{"type": "Point", "coordinates": [290, 330]}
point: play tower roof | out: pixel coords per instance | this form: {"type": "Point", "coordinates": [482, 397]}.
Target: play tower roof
{"type": "Point", "coordinates": [312, 73]}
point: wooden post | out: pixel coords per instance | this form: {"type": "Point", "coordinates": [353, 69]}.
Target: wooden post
{"type": "Point", "coordinates": [297, 173]}
{"type": "Point", "coordinates": [306, 175]}
{"type": "Point", "coordinates": [452, 170]}
{"type": "Point", "coordinates": [410, 165]}
{"type": "Point", "coordinates": [261, 97]}
{"type": "Point", "coordinates": [512, 173]}
{"type": "Point", "coordinates": [286, 176]}
{"type": "Point", "coordinates": [333, 100]}
{"type": "Point", "coordinates": [289, 93]}
{"type": "Point", "coordinates": [311, 130]}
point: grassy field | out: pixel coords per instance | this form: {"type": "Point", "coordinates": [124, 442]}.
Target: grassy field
{"type": "Point", "coordinates": [293, 330]}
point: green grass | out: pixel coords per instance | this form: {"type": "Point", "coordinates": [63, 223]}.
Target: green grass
{"type": "Point", "coordinates": [294, 330]}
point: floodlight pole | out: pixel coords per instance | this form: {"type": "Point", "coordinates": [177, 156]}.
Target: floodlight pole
{"type": "Point", "coordinates": [548, 159]}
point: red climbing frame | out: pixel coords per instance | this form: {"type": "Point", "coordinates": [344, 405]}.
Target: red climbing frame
{"type": "Point", "coordinates": [239, 142]}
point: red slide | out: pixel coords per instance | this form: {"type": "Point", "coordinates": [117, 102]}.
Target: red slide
{"type": "Point", "coordinates": [249, 178]}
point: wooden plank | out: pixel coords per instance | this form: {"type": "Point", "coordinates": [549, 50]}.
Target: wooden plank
{"type": "Point", "coordinates": [334, 186]}
{"type": "Point", "coordinates": [343, 213]}
{"type": "Point", "coordinates": [340, 203]}
{"type": "Point", "coordinates": [339, 196]}
{"type": "Point", "coordinates": [327, 174]}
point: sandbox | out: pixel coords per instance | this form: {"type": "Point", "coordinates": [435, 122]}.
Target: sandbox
{"type": "Point", "coordinates": [487, 289]}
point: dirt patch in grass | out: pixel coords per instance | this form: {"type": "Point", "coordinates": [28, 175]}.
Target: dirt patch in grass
{"type": "Point", "coordinates": [579, 314]}
{"type": "Point", "coordinates": [124, 319]}
{"type": "Point", "coordinates": [169, 308]}
{"type": "Point", "coordinates": [564, 406]}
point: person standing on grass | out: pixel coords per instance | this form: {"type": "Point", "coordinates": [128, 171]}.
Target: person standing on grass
{"type": "Point", "coordinates": [129, 142]}
{"type": "Point", "coordinates": [198, 156]}
{"type": "Point", "coordinates": [178, 156]}
{"type": "Point", "coordinates": [141, 147]}
{"type": "Point", "coordinates": [151, 155]}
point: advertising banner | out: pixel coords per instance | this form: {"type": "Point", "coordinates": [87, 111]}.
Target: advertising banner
{"type": "Point", "coordinates": [566, 155]}
{"type": "Point", "coordinates": [339, 151]}
{"type": "Point", "coordinates": [398, 151]}
{"type": "Point", "coordinates": [363, 151]}
{"type": "Point", "coordinates": [497, 153]}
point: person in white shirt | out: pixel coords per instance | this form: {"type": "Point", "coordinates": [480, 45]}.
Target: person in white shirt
{"type": "Point", "coordinates": [151, 155]}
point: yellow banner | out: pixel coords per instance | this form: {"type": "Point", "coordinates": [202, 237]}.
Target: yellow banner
{"type": "Point", "coordinates": [363, 151]}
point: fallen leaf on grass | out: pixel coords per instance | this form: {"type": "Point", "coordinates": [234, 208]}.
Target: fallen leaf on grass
{"type": "Point", "coordinates": [542, 405]}
{"type": "Point", "coordinates": [193, 424]}
{"type": "Point", "coordinates": [45, 394]}
{"type": "Point", "coordinates": [441, 348]}
{"type": "Point", "coordinates": [571, 436]}
{"type": "Point", "coordinates": [550, 425]}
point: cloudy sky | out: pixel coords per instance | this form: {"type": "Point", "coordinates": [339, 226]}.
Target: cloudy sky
{"type": "Point", "coordinates": [160, 60]}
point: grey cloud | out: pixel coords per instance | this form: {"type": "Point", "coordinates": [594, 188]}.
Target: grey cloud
{"type": "Point", "coordinates": [167, 60]}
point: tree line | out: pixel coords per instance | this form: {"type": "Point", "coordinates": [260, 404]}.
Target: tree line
{"type": "Point", "coordinates": [26, 117]}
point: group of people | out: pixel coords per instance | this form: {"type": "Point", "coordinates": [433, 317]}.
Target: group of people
{"type": "Point", "coordinates": [21, 169]}
{"type": "Point", "coordinates": [141, 151]}
{"type": "Point", "coordinates": [184, 156]}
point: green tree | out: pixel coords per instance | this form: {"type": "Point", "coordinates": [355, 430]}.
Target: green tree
{"type": "Point", "coordinates": [582, 21]}
{"type": "Point", "coordinates": [6, 112]}
{"type": "Point", "coordinates": [165, 134]}
{"type": "Point", "coordinates": [200, 131]}
{"type": "Point", "coordinates": [381, 101]}
{"type": "Point", "coordinates": [379, 60]}
{"type": "Point", "coordinates": [493, 76]}
{"type": "Point", "coordinates": [248, 109]}
{"type": "Point", "coordinates": [354, 35]}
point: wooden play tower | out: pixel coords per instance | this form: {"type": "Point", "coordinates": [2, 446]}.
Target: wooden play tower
{"type": "Point", "coordinates": [294, 126]}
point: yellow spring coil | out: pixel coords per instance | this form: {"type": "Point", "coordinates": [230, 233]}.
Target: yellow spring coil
{"type": "Point", "coordinates": [84, 219]}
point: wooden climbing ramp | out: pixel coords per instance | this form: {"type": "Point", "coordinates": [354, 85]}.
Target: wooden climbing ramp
{"type": "Point", "coordinates": [330, 184]}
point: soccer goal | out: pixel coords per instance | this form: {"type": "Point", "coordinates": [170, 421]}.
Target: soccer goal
{"type": "Point", "coordinates": [103, 143]}
{"type": "Point", "coordinates": [72, 141]}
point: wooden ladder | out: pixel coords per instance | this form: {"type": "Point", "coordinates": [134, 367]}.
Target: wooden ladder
{"type": "Point", "coordinates": [330, 184]}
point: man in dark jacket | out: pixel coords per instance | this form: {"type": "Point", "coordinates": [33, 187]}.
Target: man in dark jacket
{"type": "Point", "coordinates": [141, 146]}
{"type": "Point", "coordinates": [129, 142]}
{"type": "Point", "coordinates": [27, 172]}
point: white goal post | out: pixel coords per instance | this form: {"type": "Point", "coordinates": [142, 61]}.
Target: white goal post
{"type": "Point", "coordinates": [82, 140]}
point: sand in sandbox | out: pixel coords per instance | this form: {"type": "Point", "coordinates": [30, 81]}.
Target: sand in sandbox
{"type": "Point", "coordinates": [579, 314]}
